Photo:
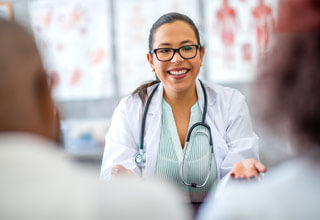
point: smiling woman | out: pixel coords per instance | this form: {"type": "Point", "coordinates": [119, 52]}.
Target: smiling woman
{"type": "Point", "coordinates": [178, 128]}
{"type": "Point", "coordinates": [179, 70]}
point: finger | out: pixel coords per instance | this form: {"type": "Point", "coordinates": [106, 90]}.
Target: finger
{"type": "Point", "coordinates": [249, 163]}
{"type": "Point", "coordinates": [235, 177]}
{"type": "Point", "coordinates": [239, 176]}
{"type": "Point", "coordinates": [250, 172]}
{"type": "Point", "coordinates": [260, 167]}
{"type": "Point", "coordinates": [120, 167]}
{"type": "Point", "coordinates": [253, 172]}
{"type": "Point", "coordinates": [115, 171]}
{"type": "Point", "coordinates": [253, 176]}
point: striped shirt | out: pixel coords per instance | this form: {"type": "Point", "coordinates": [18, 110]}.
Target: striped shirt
{"type": "Point", "coordinates": [197, 154]}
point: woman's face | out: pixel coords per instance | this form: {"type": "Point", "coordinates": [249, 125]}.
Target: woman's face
{"type": "Point", "coordinates": [177, 74]}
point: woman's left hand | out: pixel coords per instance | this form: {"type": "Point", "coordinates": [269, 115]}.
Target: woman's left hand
{"type": "Point", "coordinates": [247, 169]}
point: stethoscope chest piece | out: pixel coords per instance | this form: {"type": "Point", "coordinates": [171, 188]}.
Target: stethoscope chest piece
{"type": "Point", "coordinates": [140, 159]}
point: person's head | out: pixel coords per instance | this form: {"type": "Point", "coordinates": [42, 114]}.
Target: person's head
{"type": "Point", "coordinates": [177, 71]}
{"type": "Point", "coordinates": [288, 82]}
{"type": "Point", "coordinates": [26, 104]}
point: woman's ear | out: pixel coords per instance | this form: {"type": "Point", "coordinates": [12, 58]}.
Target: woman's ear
{"type": "Point", "coordinates": [150, 60]}
{"type": "Point", "coordinates": [202, 52]}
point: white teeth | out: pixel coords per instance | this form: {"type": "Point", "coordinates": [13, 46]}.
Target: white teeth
{"type": "Point", "coordinates": [178, 72]}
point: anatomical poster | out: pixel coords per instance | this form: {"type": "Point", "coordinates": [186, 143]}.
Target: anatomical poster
{"type": "Point", "coordinates": [134, 19]}
{"type": "Point", "coordinates": [238, 31]}
{"type": "Point", "coordinates": [75, 41]}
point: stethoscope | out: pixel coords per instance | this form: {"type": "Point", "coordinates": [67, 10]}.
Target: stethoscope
{"type": "Point", "coordinates": [140, 156]}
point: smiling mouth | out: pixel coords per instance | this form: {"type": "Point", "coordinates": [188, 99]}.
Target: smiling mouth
{"type": "Point", "coordinates": [178, 73]}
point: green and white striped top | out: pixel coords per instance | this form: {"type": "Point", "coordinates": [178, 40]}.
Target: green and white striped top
{"type": "Point", "coordinates": [198, 155]}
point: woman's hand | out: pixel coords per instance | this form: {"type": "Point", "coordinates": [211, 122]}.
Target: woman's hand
{"type": "Point", "coordinates": [247, 169]}
{"type": "Point", "coordinates": [119, 170]}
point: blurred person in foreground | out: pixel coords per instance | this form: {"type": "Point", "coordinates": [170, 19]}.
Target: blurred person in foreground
{"type": "Point", "coordinates": [38, 181]}
{"type": "Point", "coordinates": [286, 95]}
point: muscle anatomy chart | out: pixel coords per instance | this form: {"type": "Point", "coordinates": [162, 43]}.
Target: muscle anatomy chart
{"type": "Point", "coordinates": [237, 32]}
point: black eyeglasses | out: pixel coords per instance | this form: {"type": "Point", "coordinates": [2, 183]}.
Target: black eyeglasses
{"type": "Point", "coordinates": [186, 52]}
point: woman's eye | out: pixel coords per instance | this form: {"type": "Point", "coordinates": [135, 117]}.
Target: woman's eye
{"type": "Point", "coordinates": [186, 48]}
{"type": "Point", "coordinates": [164, 50]}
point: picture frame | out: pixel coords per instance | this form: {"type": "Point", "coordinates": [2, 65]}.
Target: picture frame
{"type": "Point", "coordinates": [6, 10]}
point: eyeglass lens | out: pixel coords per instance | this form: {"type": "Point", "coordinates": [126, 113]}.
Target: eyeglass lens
{"type": "Point", "coordinates": [186, 52]}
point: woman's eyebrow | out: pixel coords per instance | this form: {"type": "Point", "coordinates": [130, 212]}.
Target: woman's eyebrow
{"type": "Point", "coordinates": [186, 41]}
{"type": "Point", "coordinates": [164, 44]}
{"type": "Point", "coordinates": [181, 43]}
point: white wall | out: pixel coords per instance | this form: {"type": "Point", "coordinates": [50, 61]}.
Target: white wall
{"type": "Point", "coordinates": [272, 151]}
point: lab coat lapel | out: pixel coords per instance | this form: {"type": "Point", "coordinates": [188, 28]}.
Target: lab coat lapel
{"type": "Point", "coordinates": [210, 96]}
{"type": "Point", "coordinates": [219, 151]}
{"type": "Point", "coordinates": [153, 131]}
{"type": "Point", "coordinates": [154, 123]}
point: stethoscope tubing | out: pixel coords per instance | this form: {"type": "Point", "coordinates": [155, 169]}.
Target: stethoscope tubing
{"type": "Point", "coordinates": [143, 123]}
{"type": "Point", "coordinates": [140, 160]}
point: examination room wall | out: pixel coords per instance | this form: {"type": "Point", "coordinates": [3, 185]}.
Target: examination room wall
{"type": "Point", "coordinates": [117, 65]}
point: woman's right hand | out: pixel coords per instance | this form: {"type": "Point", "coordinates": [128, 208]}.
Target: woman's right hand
{"type": "Point", "coordinates": [119, 170]}
{"type": "Point", "coordinates": [247, 169]}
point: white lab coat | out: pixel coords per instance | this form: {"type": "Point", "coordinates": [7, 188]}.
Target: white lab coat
{"type": "Point", "coordinates": [227, 115]}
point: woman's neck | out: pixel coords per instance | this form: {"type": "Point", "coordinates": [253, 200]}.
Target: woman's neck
{"type": "Point", "coordinates": [181, 99]}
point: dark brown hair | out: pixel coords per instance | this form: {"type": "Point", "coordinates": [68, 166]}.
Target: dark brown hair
{"type": "Point", "coordinates": [25, 97]}
{"type": "Point", "coordinates": [287, 87]}
{"type": "Point", "coordinates": [164, 19]}
{"type": "Point", "coordinates": [288, 82]}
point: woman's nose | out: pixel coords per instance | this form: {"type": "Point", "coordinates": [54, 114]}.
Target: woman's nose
{"type": "Point", "coordinates": [177, 58]}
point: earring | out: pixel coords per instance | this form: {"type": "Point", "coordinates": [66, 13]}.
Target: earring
{"type": "Point", "coordinates": [153, 70]}
{"type": "Point", "coordinates": [200, 64]}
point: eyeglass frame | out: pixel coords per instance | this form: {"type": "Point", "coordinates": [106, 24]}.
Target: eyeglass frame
{"type": "Point", "coordinates": [154, 51]}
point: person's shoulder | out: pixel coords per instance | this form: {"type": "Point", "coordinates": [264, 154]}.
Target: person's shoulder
{"type": "Point", "coordinates": [134, 98]}
{"type": "Point", "coordinates": [127, 100]}
{"type": "Point", "coordinates": [38, 158]}
{"type": "Point", "coordinates": [138, 193]}
{"type": "Point", "coordinates": [243, 200]}
{"type": "Point", "coordinates": [224, 96]}
{"type": "Point", "coordinates": [221, 91]}
{"type": "Point", "coordinates": [292, 171]}
{"type": "Point", "coordinates": [133, 102]}
{"type": "Point", "coordinates": [130, 103]}
{"type": "Point", "coordinates": [274, 180]}
{"type": "Point", "coordinates": [291, 184]}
